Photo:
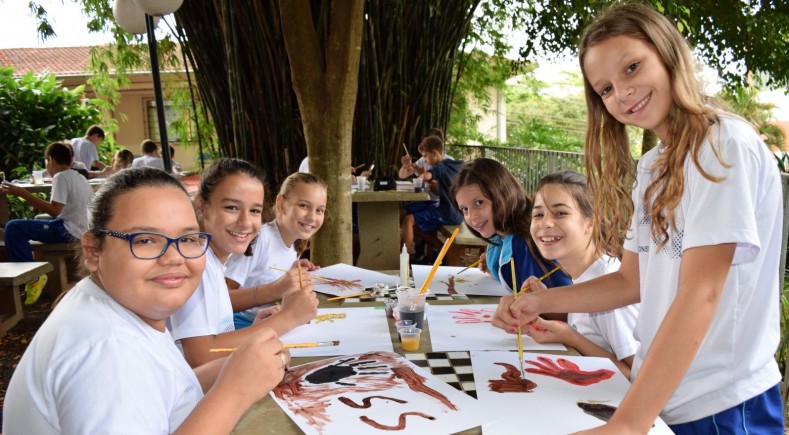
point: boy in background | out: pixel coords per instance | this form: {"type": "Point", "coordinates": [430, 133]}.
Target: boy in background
{"type": "Point", "coordinates": [68, 205]}
{"type": "Point", "coordinates": [85, 148]}
{"type": "Point", "coordinates": [429, 219]}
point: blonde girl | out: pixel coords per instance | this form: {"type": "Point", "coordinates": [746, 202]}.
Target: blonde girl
{"type": "Point", "coordinates": [300, 208]}
{"type": "Point", "coordinates": [703, 239]}
{"type": "Point", "coordinates": [230, 206]}
{"type": "Point", "coordinates": [103, 361]}
{"type": "Point", "coordinates": [561, 226]}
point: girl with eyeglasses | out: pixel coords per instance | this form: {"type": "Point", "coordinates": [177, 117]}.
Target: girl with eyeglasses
{"type": "Point", "coordinates": [230, 206]}
{"type": "Point", "coordinates": [300, 208]}
{"type": "Point", "coordinates": [103, 361]}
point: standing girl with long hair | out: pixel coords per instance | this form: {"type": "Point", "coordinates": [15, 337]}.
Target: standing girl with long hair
{"type": "Point", "coordinates": [703, 240]}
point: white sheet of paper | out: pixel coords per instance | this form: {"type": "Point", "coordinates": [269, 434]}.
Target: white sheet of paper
{"type": "Point", "coordinates": [470, 282]}
{"type": "Point", "coordinates": [552, 407]}
{"type": "Point", "coordinates": [363, 329]}
{"type": "Point", "coordinates": [363, 278]}
{"type": "Point", "coordinates": [368, 393]}
{"type": "Point", "coordinates": [467, 327]}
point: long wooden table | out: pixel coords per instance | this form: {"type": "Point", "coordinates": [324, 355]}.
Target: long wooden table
{"type": "Point", "coordinates": [267, 416]}
{"type": "Point", "coordinates": [379, 227]}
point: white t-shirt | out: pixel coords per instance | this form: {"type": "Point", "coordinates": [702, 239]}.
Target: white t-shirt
{"type": "Point", "coordinates": [73, 191]}
{"type": "Point", "coordinates": [735, 361]}
{"type": "Point", "coordinates": [610, 330]}
{"type": "Point", "coordinates": [96, 367]}
{"type": "Point", "coordinates": [84, 151]}
{"type": "Point", "coordinates": [268, 252]}
{"type": "Point", "coordinates": [208, 311]}
{"type": "Point", "coordinates": [304, 166]}
{"type": "Point", "coordinates": [148, 161]}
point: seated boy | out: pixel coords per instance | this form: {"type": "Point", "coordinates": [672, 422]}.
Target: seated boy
{"type": "Point", "coordinates": [429, 219]}
{"type": "Point", "coordinates": [150, 156]}
{"type": "Point", "coordinates": [71, 195]}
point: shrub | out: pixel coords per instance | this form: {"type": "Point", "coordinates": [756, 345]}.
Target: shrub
{"type": "Point", "coordinates": [34, 111]}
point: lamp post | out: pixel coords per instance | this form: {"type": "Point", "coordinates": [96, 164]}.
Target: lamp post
{"type": "Point", "coordinates": [129, 15]}
{"type": "Point", "coordinates": [157, 92]}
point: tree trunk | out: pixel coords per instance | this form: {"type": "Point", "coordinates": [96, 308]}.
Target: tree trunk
{"type": "Point", "coordinates": [324, 66]}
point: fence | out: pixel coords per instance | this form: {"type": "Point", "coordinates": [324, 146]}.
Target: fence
{"type": "Point", "coordinates": [528, 165]}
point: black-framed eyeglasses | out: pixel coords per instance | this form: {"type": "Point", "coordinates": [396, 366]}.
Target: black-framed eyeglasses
{"type": "Point", "coordinates": [150, 246]}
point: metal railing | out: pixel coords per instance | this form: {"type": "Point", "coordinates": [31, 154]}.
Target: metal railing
{"type": "Point", "coordinates": [527, 165]}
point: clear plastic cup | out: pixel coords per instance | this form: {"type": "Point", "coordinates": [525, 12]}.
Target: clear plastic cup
{"type": "Point", "coordinates": [409, 338]}
{"type": "Point", "coordinates": [38, 177]}
{"type": "Point", "coordinates": [411, 305]}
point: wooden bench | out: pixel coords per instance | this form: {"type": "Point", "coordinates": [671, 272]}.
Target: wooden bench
{"type": "Point", "coordinates": [62, 256]}
{"type": "Point", "coordinates": [466, 245]}
{"type": "Point", "coordinates": [12, 276]}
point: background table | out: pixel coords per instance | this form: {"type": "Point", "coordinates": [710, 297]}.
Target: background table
{"type": "Point", "coordinates": [379, 227]}
{"type": "Point", "coordinates": [37, 188]}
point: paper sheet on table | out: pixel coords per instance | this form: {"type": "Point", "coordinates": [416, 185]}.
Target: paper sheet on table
{"type": "Point", "coordinates": [358, 278]}
{"type": "Point", "coordinates": [467, 327]}
{"type": "Point", "coordinates": [552, 407]}
{"type": "Point", "coordinates": [362, 329]}
{"type": "Point", "coordinates": [470, 282]}
{"type": "Point", "coordinates": [377, 392]}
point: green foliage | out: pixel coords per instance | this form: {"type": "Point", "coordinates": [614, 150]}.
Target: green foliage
{"type": "Point", "coordinates": [783, 346]}
{"type": "Point", "coordinates": [536, 133]}
{"type": "Point", "coordinates": [481, 73]}
{"type": "Point", "coordinates": [750, 35]}
{"type": "Point", "coordinates": [35, 111]}
{"type": "Point", "coordinates": [18, 208]}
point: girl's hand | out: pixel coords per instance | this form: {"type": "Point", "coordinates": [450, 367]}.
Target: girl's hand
{"type": "Point", "coordinates": [483, 264]}
{"type": "Point", "coordinates": [549, 331]}
{"type": "Point", "coordinates": [255, 367]}
{"type": "Point", "coordinates": [510, 314]}
{"type": "Point", "coordinates": [406, 161]}
{"type": "Point", "coordinates": [290, 281]}
{"type": "Point", "coordinates": [533, 284]}
{"type": "Point", "coordinates": [305, 265]}
{"type": "Point", "coordinates": [265, 313]}
{"type": "Point", "coordinates": [300, 304]}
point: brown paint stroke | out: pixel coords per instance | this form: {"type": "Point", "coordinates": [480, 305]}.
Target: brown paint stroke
{"type": "Point", "coordinates": [417, 383]}
{"type": "Point", "coordinates": [400, 421]}
{"type": "Point", "coordinates": [366, 401]}
{"type": "Point", "coordinates": [511, 381]}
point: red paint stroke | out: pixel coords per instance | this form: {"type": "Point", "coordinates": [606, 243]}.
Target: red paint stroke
{"type": "Point", "coordinates": [400, 421]}
{"type": "Point", "coordinates": [568, 371]}
{"type": "Point", "coordinates": [366, 401]}
{"type": "Point", "coordinates": [469, 316]}
{"type": "Point", "coordinates": [511, 381]}
{"type": "Point", "coordinates": [417, 383]}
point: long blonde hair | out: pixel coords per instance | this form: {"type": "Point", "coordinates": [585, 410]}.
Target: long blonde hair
{"type": "Point", "coordinates": [610, 167]}
{"type": "Point", "coordinates": [287, 188]}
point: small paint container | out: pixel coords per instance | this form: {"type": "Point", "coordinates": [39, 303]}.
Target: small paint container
{"type": "Point", "coordinates": [390, 305]}
{"type": "Point", "coordinates": [409, 336]}
{"type": "Point", "coordinates": [403, 324]}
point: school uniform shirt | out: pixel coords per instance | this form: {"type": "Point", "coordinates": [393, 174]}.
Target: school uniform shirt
{"type": "Point", "coordinates": [73, 191]}
{"type": "Point", "coordinates": [498, 257]}
{"type": "Point", "coordinates": [268, 252]}
{"type": "Point", "coordinates": [96, 367]}
{"type": "Point", "coordinates": [610, 330]}
{"type": "Point", "coordinates": [208, 311]}
{"type": "Point", "coordinates": [735, 361]}
{"type": "Point", "coordinates": [444, 173]}
{"type": "Point", "coordinates": [84, 151]}
{"type": "Point", "coordinates": [424, 165]}
{"type": "Point", "coordinates": [148, 161]}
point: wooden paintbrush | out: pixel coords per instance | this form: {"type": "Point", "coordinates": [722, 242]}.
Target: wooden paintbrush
{"type": "Point", "coordinates": [320, 278]}
{"type": "Point", "coordinates": [441, 255]}
{"type": "Point", "coordinates": [520, 335]}
{"type": "Point", "coordinates": [474, 264]}
{"type": "Point", "coordinates": [540, 279]}
{"type": "Point", "coordinates": [337, 298]}
{"type": "Point", "coordinates": [287, 346]}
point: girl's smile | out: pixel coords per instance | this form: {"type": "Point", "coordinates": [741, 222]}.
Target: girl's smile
{"type": "Point", "coordinates": [301, 213]}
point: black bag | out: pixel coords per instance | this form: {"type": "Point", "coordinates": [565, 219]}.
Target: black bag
{"type": "Point", "coordinates": [384, 183]}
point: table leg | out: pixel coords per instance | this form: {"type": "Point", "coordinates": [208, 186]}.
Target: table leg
{"type": "Point", "coordinates": [379, 235]}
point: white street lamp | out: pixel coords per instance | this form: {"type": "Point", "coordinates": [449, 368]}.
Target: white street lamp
{"type": "Point", "coordinates": [159, 7]}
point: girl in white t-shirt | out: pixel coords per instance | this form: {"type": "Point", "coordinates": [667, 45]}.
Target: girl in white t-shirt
{"type": "Point", "coordinates": [704, 241]}
{"type": "Point", "coordinates": [230, 205]}
{"type": "Point", "coordinates": [300, 208]}
{"type": "Point", "coordinates": [103, 361]}
{"type": "Point", "coordinates": [561, 226]}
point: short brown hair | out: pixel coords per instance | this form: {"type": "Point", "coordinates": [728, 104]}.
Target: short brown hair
{"type": "Point", "coordinates": [431, 144]}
